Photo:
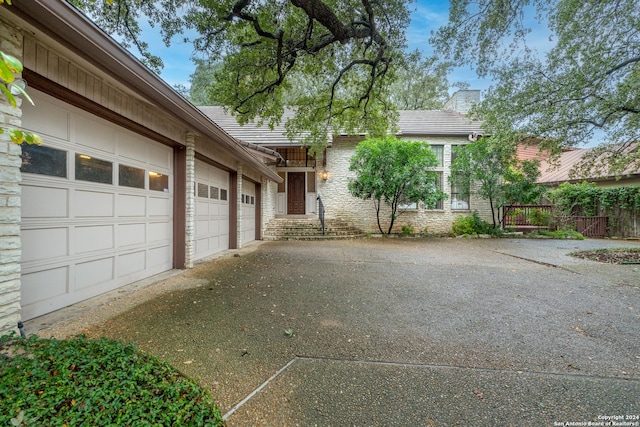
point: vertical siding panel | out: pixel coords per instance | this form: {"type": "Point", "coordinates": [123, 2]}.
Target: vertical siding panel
{"type": "Point", "coordinates": [63, 72]}
{"type": "Point", "coordinates": [72, 82]}
{"type": "Point", "coordinates": [29, 53]}
{"type": "Point", "coordinates": [41, 60]}
{"type": "Point", "coordinates": [97, 90]}
{"type": "Point", "coordinates": [52, 66]}
{"type": "Point", "coordinates": [82, 81]}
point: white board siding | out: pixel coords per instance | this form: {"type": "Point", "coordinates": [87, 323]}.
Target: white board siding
{"type": "Point", "coordinates": [81, 238]}
{"type": "Point", "coordinates": [211, 212]}
{"type": "Point", "coordinates": [248, 212]}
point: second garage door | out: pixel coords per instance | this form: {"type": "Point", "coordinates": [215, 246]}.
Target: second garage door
{"type": "Point", "coordinates": [248, 211]}
{"type": "Point", "coordinates": [212, 210]}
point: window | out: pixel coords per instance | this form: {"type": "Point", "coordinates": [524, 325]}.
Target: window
{"type": "Point", "coordinates": [214, 193]}
{"type": "Point", "coordinates": [128, 176]}
{"type": "Point", "coordinates": [203, 190]}
{"type": "Point", "coordinates": [438, 150]}
{"type": "Point", "coordinates": [253, 200]}
{"type": "Point", "coordinates": [311, 182]}
{"type": "Point", "coordinates": [158, 182]}
{"type": "Point", "coordinates": [243, 198]}
{"type": "Point", "coordinates": [44, 161]}
{"type": "Point", "coordinates": [94, 170]}
{"type": "Point", "coordinates": [459, 200]}
{"type": "Point", "coordinates": [223, 194]}
{"type": "Point", "coordinates": [438, 183]}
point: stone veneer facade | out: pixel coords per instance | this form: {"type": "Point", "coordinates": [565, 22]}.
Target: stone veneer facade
{"type": "Point", "coordinates": [361, 213]}
{"type": "Point", "coordinates": [10, 43]}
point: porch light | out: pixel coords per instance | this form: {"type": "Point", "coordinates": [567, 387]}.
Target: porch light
{"type": "Point", "coordinates": [324, 175]}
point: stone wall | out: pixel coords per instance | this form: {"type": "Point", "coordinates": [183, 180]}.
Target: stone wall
{"type": "Point", "coordinates": [340, 204]}
{"type": "Point", "coordinates": [10, 43]}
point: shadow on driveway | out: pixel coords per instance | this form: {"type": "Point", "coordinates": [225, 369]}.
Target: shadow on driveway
{"type": "Point", "coordinates": [402, 332]}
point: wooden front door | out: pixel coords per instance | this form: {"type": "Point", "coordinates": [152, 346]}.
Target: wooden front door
{"type": "Point", "coordinates": [295, 193]}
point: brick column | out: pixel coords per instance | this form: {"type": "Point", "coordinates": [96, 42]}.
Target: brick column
{"type": "Point", "coordinates": [10, 202]}
{"type": "Point", "coordinates": [190, 202]}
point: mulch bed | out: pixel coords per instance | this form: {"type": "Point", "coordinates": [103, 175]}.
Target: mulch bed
{"type": "Point", "coordinates": [611, 256]}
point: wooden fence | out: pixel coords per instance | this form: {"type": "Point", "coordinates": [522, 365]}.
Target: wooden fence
{"type": "Point", "coordinates": [534, 217]}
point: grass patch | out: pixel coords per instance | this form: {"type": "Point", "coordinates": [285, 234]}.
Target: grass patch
{"type": "Point", "coordinates": [611, 255]}
{"type": "Point", "coordinates": [100, 382]}
{"type": "Point", "coordinates": [559, 234]}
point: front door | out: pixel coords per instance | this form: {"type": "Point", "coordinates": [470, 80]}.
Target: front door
{"type": "Point", "coordinates": [295, 193]}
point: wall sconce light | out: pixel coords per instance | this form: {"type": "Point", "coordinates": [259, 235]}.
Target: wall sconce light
{"type": "Point", "coordinates": [324, 175]}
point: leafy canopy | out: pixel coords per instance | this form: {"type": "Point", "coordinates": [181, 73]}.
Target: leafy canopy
{"type": "Point", "coordinates": [395, 172]}
{"type": "Point", "coordinates": [341, 54]}
{"type": "Point", "coordinates": [584, 85]}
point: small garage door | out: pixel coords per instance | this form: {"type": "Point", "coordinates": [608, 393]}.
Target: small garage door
{"type": "Point", "coordinates": [97, 207]}
{"type": "Point", "coordinates": [248, 199]}
{"type": "Point", "coordinates": [212, 210]}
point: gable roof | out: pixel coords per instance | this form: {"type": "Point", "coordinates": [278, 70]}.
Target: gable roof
{"type": "Point", "coordinates": [558, 171]}
{"type": "Point", "coordinates": [411, 122]}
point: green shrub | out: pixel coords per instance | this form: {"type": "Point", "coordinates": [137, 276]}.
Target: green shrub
{"type": "Point", "coordinates": [407, 230]}
{"type": "Point", "coordinates": [540, 218]}
{"type": "Point", "coordinates": [560, 234]}
{"type": "Point", "coordinates": [471, 225]}
{"type": "Point", "coordinates": [81, 381]}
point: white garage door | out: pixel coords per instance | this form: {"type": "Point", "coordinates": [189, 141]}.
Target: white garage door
{"type": "Point", "coordinates": [248, 211]}
{"type": "Point", "coordinates": [97, 207]}
{"type": "Point", "coordinates": [212, 210]}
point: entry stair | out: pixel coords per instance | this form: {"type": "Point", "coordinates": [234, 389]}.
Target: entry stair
{"type": "Point", "coordinates": [310, 229]}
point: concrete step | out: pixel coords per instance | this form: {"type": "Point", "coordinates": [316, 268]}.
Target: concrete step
{"type": "Point", "coordinates": [309, 229]}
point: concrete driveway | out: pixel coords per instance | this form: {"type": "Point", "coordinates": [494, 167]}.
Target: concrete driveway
{"type": "Point", "coordinates": [401, 332]}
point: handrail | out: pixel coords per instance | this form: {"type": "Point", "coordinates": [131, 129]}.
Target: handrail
{"type": "Point", "coordinates": [321, 212]}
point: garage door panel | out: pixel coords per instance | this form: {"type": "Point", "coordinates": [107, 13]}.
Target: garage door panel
{"type": "Point", "coordinates": [131, 263]}
{"type": "Point", "coordinates": [44, 202]}
{"type": "Point", "coordinates": [93, 238]}
{"type": "Point", "coordinates": [159, 231]}
{"type": "Point", "coordinates": [130, 149]}
{"type": "Point", "coordinates": [158, 156]}
{"type": "Point", "coordinates": [44, 243]}
{"type": "Point", "coordinates": [44, 285]}
{"type": "Point", "coordinates": [92, 133]}
{"type": "Point", "coordinates": [131, 234]}
{"type": "Point", "coordinates": [46, 118]}
{"type": "Point", "coordinates": [159, 256]}
{"type": "Point", "coordinates": [202, 228]}
{"type": "Point", "coordinates": [131, 205]}
{"type": "Point", "coordinates": [202, 208]}
{"type": "Point", "coordinates": [160, 206]}
{"type": "Point", "coordinates": [93, 204]}
{"type": "Point", "coordinates": [93, 273]}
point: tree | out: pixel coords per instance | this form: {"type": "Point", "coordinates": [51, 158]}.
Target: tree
{"type": "Point", "coordinates": [421, 84]}
{"type": "Point", "coordinates": [585, 86]}
{"type": "Point", "coordinates": [347, 52]}
{"type": "Point", "coordinates": [394, 172]}
{"type": "Point", "coordinates": [489, 168]}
